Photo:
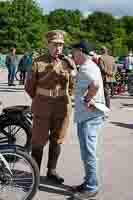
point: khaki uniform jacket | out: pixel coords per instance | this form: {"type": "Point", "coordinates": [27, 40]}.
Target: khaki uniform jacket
{"type": "Point", "coordinates": [47, 75]}
{"type": "Point", "coordinates": [49, 113]}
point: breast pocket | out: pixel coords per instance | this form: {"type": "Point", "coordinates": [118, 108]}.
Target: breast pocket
{"type": "Point", "coordinates": [63, 77]}
{"type": "Point", "coordinates": [64, 73]}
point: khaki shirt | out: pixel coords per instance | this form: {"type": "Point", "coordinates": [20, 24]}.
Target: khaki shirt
{"type": "Point", "coordinates": [48, 75]}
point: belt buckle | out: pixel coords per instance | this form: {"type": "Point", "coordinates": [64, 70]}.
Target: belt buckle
{"type": "Point", "coordinates": [55, 93]}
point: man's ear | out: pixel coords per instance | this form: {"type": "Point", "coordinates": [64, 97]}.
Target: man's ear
{"type": "Point", "coordinates": [81, 51]}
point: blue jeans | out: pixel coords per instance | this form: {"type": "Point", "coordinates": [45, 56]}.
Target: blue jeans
{"type": "Point", "coordinates": [87, 133]}
{"type": "Point", "coordinates": [11, 73]}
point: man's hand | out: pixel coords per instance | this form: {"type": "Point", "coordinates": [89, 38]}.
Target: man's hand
{"type": "Point", "coordinates": [91, 91]}
{"type": "Point", "coordinates": [88, 97]}
{"type": "Point", "coordinates": [69, 61]}
{"type": "Point", "coordinates": [89, 107]}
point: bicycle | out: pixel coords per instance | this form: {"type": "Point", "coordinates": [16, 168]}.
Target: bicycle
{"type": "Point", "coordinates": [19, 174]}
{"type": "Point", "coordinates": [15, 126]}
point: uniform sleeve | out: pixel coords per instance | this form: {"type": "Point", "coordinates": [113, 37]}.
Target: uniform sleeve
{"type": "Point", "coordinates": [31, 80]}
{"type": "Point", "coordinates": [71, 85]}
{"type": "Point", "coordinates": [70, 66]}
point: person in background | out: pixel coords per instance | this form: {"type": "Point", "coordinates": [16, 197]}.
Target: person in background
{"type": "Point", "coordinates": [128, 62]}
{"type": "Point", "coordinates": [25, 66]}
{"type": "Point", "coordinates": [129, 70]}
{"type": "Point", "coordinates": [107, 65]}
{"type": "Point", "coordinates": [22, 68]}
{"type": "Point", "coordinates": [2, 60]}
{"type": "Point", "coordinates": [12, 64]}
{"type": "Point", "coordinates": [29, 61]}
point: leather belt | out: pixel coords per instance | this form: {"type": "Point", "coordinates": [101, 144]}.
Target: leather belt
{"type": "Point", "coordinates": [51, 92]}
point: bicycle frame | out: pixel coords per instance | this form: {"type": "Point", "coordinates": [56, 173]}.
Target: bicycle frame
{"type": "Point", "coordinates": [11, 146]}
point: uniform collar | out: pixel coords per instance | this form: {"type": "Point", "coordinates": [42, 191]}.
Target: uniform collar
{"type": "Point", "coordinates": [53, 60]}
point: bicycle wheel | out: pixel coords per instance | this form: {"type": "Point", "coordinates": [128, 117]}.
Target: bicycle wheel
{"type": "Point", "coordinates": [23, 180]}
{"type": "Point", "coordinates": [17, 134]}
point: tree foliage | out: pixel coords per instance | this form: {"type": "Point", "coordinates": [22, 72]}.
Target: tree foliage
{"type": "Point", "coordinates": [23, 24]}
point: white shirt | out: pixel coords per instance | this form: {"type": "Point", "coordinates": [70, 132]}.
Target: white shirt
{"type": "Point", "coordinates": [88, 72]}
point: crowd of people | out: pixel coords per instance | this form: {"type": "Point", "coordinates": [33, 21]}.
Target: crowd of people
{"type": "Point", "coordinates": [15, 63]}
{"type": "Point", "coordinates": [115, 81]}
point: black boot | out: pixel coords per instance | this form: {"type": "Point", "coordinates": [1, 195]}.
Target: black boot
{"type": "Point", "coordinates": [12, 83]}
{"type": "Point", "coordinates": [9, 82]}
{"type": "Point", "coordinates": [37, 153]}
{"type": "Point", "coordinates": [54, 152]}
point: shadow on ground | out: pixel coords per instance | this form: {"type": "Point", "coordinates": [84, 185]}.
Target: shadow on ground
{"type": "Point", "coordinates": [59, 189]}
{"type": "Point", "coordinates": [3, 83]}
{"type": "Point", "coordinates": [127, 105]}
{"type": "Point", "coordinates": [123, 125]}
{"type": "Point", "coordinates": [5, 88]}
{"type": "Point", "coordinates": [122, 97]}
{"type": "Point", "coordinates": [10, 90]}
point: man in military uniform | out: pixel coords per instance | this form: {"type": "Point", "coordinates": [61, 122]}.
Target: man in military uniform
{"type": "Point", "coordinates": [49, 85]}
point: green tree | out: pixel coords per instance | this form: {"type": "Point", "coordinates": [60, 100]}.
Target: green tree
{"type": "Point", "coordinates": [5, 22]}
{"type": "Point", "coordinates": [130, 41]}
{"type": "Point", "coordinates": [127, 23]}
{"type": "Point", "coordinates": [25, 25]}
{"type": "Point", "coordinates": [103, 24]}
{"type": "Point", "coordinates": [119, 43]}
{"type": "Point", "coordinates": [118, 47]}
{"type": "Point", "coordinates": [67, 20]}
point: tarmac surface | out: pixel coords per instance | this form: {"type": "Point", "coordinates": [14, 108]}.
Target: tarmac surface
{"type": "Point", "coordinates": [114, 151]}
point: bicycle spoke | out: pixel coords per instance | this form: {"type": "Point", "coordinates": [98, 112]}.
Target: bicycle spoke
{"type": "Point", "coordinates": [21, 183]}
{"type": "Point", "coordinates": [17, 133]}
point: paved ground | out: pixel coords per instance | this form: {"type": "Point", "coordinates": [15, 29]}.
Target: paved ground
{"type": "Point", "coordinates": [115, 150]}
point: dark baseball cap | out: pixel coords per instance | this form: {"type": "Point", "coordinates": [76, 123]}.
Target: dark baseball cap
{"type": "Point", "coordinates": [84, 45]}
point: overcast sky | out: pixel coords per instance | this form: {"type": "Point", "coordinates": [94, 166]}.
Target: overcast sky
{"type": "Point", "coordinates": [116, 7]}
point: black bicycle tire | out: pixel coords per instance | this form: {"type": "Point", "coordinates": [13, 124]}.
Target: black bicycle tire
{"type": "Point", "coordinates": [34, 166]}
{"type": "Point", "coordinates": [25, 128]}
